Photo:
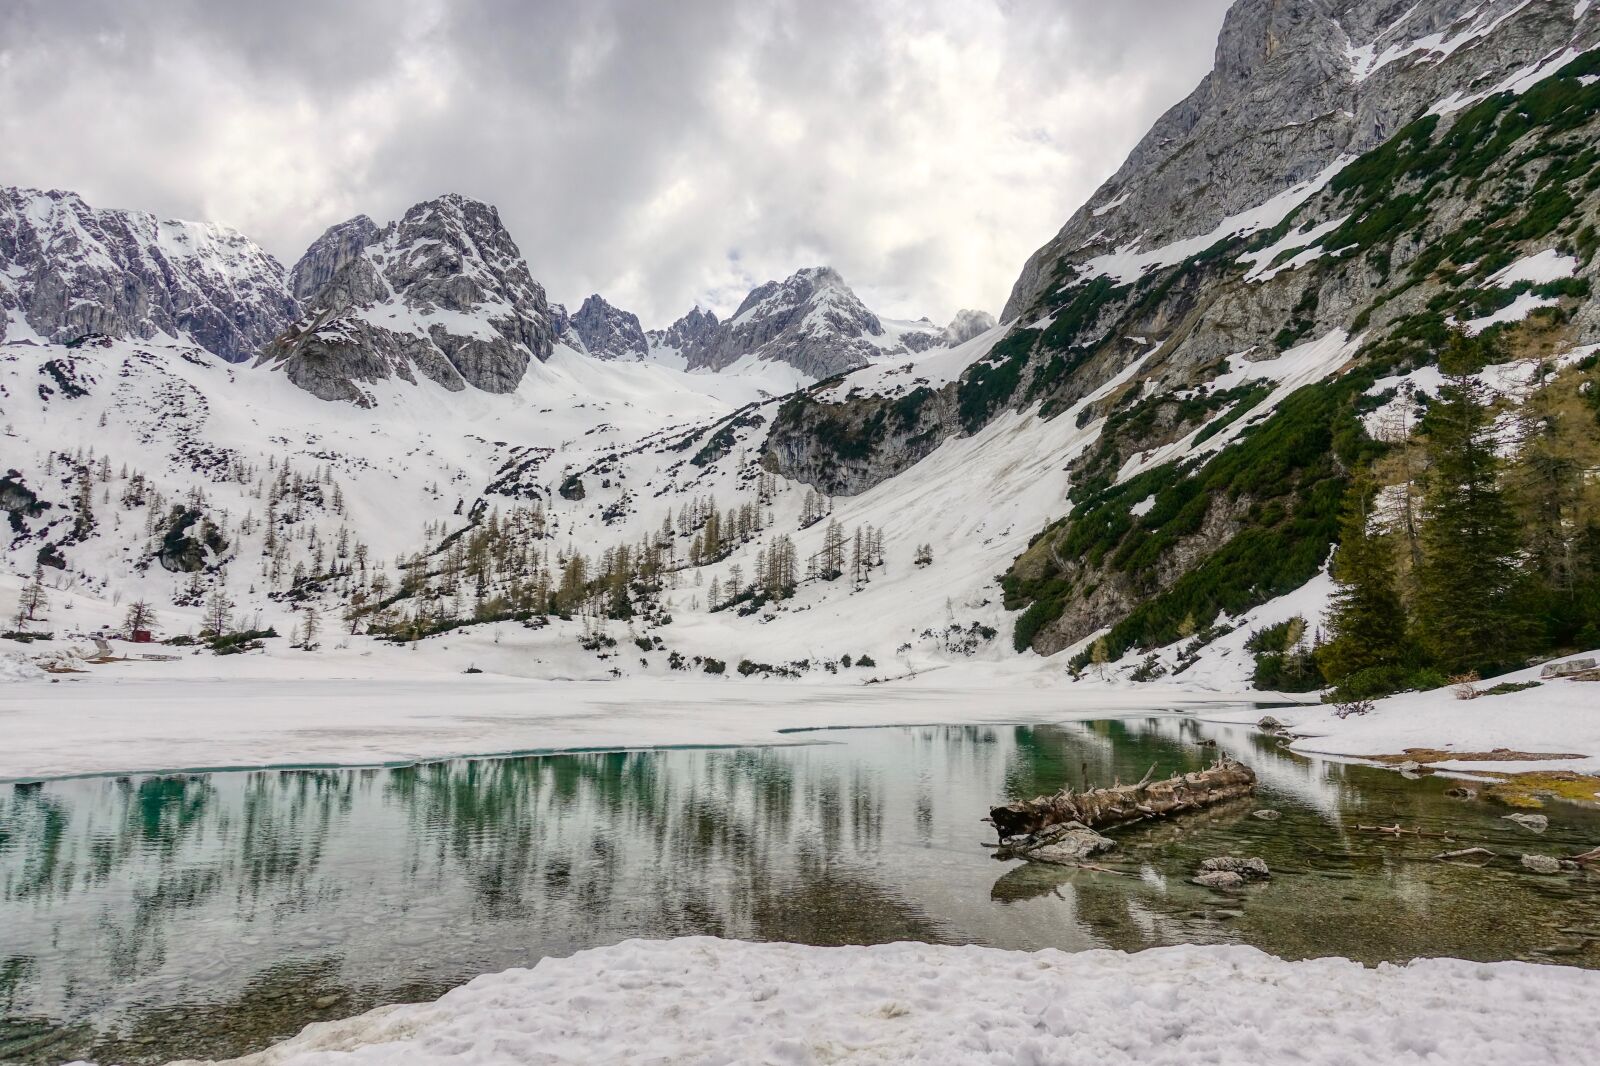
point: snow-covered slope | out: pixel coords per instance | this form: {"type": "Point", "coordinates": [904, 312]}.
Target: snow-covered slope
{"type": "Point", "coordinates": [442, 293]}
{"type": "Point", "coordinates": [68, 269]}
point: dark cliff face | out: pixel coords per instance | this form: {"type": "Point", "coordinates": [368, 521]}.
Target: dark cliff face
{"type": "Point", "coordinates": [443, 292]}
{"type": "Point", "coordinates": [67, 269]}
{"type": "Point", "coordinates": [329, 254]}
{"type": "Point", "coordinates": [692, 336]}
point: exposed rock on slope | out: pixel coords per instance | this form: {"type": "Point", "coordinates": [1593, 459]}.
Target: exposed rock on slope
{"type": "Point", "coordinates": [443, 292]}
{"type": "Point", "coordinates": [609, 333]}
{"type": "Point", "coordinates": [690, 337]}
{"type": "Point", "coordinates": [67, 269]}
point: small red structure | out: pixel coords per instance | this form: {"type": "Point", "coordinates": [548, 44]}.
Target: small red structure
{"type": "Point", "coordinates": [143, 636]}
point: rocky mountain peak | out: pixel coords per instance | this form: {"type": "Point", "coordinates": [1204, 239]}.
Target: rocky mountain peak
{"type": "Point", "coordinates": [1299, 88]}
{"type": "Point", "coordinates": [608, 332]}
{"type": "Point", "coordinates": [443, 291]}
{"type": "Point", "coordinates": [68, 269]}
{"type": "Point", "coordinates": [688, 338]}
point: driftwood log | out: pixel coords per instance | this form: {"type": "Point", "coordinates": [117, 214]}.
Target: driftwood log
{"type": "Point", "coordinates": [1102, 808]}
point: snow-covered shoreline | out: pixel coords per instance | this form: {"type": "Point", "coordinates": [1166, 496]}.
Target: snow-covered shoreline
{"type": "Point", "coordinates": [706, 1001]}
{"type": "Point", "coordinates": [104, 725]}
{"type": "Point", "coordinates": [357, 711]}
{"type": "Point", "coordinates": [1558, 717]}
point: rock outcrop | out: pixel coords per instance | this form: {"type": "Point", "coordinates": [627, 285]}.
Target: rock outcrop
{"type": "Point", "coordinates": [443, 292]}
{"type": "Point", "coordinates": [607, 332]}
{"type": "Point", "coordinates": [691, 337]}
{"type": "Point", "coordinates": [68, 270]}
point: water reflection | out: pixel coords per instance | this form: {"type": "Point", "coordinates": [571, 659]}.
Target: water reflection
{"type": "Point", "coordinates": [209, 914]}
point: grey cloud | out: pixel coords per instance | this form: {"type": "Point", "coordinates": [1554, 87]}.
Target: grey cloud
{"type": "Point", "coordinates": [923, 148]}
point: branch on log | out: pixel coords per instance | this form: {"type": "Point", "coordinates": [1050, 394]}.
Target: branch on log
{"type": "Point", "coordinates": [1102, 808]}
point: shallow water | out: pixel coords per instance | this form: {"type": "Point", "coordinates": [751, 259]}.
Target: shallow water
{"type": "Point", "coordinates": [206, 915]}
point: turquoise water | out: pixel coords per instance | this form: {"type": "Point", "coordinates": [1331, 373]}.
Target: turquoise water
{"type": "Point", "coordinates": [204, 915]}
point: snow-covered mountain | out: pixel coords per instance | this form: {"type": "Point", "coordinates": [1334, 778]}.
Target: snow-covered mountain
{"type": "Point", "coordinates": [443, 293]}
{"type": "Point", "coordinates": [813, 322]}
{"type": "Point", "coordinates": [68, 269]}
{"type": "Point", "coordinates": [1150, 446]}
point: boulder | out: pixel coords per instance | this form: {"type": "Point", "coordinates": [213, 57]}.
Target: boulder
{"type": "Point", "coordinates": [1536, 822]}
{"type": "Point", "coordinates": [1269, 723]}
{"type": "Point", "coordinates": [1069, 845]}
{"type": "Point", "coordinates": [1219, 879]}
{"type": "Point", "coordinates": [1541, 864]}
{"type": "Point", "coordinates": [1567, 668]}
{"type": "Point", "coordinates": [1251, 869]}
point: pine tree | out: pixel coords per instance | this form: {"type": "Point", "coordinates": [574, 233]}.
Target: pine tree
{"type": "Point", "coordinates": [309, 628]}
{"type": "Point", "coordinates": [219, 612]}
{"type": "Point", "coordinates": [34, 596]}
{"type": "Point", "coordinates": [1366, 621]}
{"type": "Point", "coordinates": [1469, 578]}
{"type": "Point", "coordinates": [140, 616]}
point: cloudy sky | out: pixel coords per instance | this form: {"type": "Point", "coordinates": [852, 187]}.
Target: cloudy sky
{"type": "Point", "coordinates": [661, 152]}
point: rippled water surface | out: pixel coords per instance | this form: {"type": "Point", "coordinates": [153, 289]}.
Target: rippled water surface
{"type": "Point", "coordinates": [205, 915]}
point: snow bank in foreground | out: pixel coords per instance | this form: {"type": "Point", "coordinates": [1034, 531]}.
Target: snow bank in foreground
{"type": "Point", "coordinates": [19, 668]}
{"type": "Point", "coordinates": [707, 1001]}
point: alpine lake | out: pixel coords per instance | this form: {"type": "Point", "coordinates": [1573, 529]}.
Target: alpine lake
{"type": "Point", "coordinates": [207, 915]}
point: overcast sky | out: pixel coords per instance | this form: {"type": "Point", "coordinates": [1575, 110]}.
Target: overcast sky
{"type": "Point", "coordinates": [661, 152]}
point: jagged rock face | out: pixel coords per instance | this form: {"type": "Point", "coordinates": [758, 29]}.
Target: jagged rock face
{"type": "Point", "coordinates": [609, 333]}
{"type": "Point", "coordinates": [1297, 85]}
{"type": "Point", "coordinates": [691, 337]}
{"type": "Point", "coordinates": [443, 292]}
{"type": "Point", "coordinates": [966, 325]}
{"type": "Point", "coordinates": [67, 269]}
{"type": "Point", "coordinates": [329, 254]}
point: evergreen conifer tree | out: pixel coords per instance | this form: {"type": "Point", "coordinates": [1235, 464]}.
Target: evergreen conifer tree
{"type": "Point", "coordinates": [1468, 581]}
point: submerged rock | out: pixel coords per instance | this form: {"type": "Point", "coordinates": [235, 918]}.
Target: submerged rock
{"type": "Point", "coordinates": [1068, 845]}
{"type": "Point", "coordinates": [1253, 868]}
{"type": "Point", "coordinates": [1541, 864]}
{"type": "Point", "coordinates": [1266, 815]}
{"type": "Point", "coordinates": [1536, 822]}
{"type": "Point", "coordinates": [1219, 879]}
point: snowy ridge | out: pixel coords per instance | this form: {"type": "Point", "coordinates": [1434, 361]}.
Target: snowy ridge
{"type": "Point", "coordinates": [67, 269]}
